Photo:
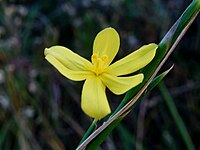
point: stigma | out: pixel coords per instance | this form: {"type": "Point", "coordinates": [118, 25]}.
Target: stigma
{"type": "Point", "coordinates": [99, 63]}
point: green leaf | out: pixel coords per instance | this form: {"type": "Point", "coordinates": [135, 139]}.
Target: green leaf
{"type": "Point", "coordinates": [165, 48]}
{"type": "Point", "coordinates": [157, 80]}
{"type": "Point", "coordinates": [152, 84]}
{"type": "Point", "coordinates": [89, 131]}
{"type": "Point", "coordinates": [176, 116]}
{"type": "Point", "coordinates": [103, 135]}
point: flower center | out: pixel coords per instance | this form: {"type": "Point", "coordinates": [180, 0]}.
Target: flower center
{"type": "Point", "coordinates": [99, 64]}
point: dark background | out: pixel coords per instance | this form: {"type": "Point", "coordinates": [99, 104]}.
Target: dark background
{"type": "Point", "coordinates": [40, 109]}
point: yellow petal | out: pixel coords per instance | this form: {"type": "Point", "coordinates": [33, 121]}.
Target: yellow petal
{"type": "Point", "coordinates": [120, 85]}
{"type": "Point", "coordinates": [134, 61]}
{"type": "Point", "coordinates": [107, 43]}
{"type": "Point", "coordinates": [70, 74]}
{"type": "Point", "coordinates": [68, 58]}
{"type": "Point", "coordinates": [94, 101]}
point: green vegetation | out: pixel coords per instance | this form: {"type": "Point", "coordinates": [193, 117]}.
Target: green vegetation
{"type": "Point", "coordinates": [40, 109]}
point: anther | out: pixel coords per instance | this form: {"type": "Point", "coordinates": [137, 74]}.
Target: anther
{"type": "Point", "coordinates": [104, 58]}
{"type": "Point", "coordinates": [94, 57]}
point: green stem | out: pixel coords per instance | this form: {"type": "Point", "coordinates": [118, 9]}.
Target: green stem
{"type": "Point", "coordinates": [168, 43]}
{"type": "Point", "coordinates": [89, 131]}
{"type": "Point", "coordinates": [176, 116]}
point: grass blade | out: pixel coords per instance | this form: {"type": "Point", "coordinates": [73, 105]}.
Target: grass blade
{"type": "Point", "coordinates": [175, 115]}
{"type": "Point", "coordinates": [166, 47]}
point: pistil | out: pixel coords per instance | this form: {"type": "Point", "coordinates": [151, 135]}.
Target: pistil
{"type": "Point", "coordinates": [99, 64]}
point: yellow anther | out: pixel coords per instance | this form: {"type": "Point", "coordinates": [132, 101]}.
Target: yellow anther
{"type": "Point", "coordinates": [94, 57]}
{"type": "Point", "coordinates": [104, 58]}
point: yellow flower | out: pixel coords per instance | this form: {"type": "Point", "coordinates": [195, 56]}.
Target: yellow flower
{"type": "Point", "coordinates": [100, 73]}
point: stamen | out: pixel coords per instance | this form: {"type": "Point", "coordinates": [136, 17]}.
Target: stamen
{"type": "Point", "coordinates": [98, 65]}
{"type": "Point", "coordinates": [104, 58]}
{"type": "Point", "coordinates": [98, 62]}
{"type": "Point", "coordinates": [94, 57]}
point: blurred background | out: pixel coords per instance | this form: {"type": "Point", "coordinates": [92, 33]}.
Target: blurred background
{"type": "Point", "coordinates": [40, 109]}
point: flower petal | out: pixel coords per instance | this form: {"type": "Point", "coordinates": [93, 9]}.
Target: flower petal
{"type": "Point", "coordinates": [107, 43]}
{"type": "Point", "coordinates": [119, 85]}
{"type": "Point", "coordinates": [70, 74]}
{"type": "Point", "coordinates": [68, 58]}
{"type": "Point", "coordinates": [94, 101]}
{"type": "Point", "coordinates": [134, 61]}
